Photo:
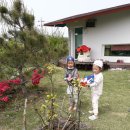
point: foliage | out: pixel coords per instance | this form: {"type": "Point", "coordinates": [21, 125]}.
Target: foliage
{"type": "Point", "coordinates": [57, 48]}
{"type": "Point", "coordinates": [27, 43]}
{"type": "Point", "coordinates": [22, 44]}
{"type": "Point", "coordinates": [49, 107]}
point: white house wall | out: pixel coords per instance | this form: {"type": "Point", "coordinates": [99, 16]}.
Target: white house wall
{"type": "Point", "coordinates": [71, 28]}
{"type": "Point", "coordinates": [110, 30]}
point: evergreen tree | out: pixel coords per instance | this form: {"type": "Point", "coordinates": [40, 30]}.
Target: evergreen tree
{"type": "Point", "coordinates": [22, 45]}
{"type": "Point", "coordinates": [58, 47]}
{"type": "Point", "coordinates": [28, 43]}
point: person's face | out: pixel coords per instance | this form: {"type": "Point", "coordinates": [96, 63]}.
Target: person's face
{"type": "Point", "coordinates": [70, 64]}
{"type": "Point", "coordinates": [96, 69]}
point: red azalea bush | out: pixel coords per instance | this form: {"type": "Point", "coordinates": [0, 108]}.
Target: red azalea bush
{"type": "Point", "coordinates": [83, 48]}
{"type": "Point", "coordinates": [6, 87]}
{"type": "Point", "coordinates": [36, 76]}
{"type": "Point", "coordinates": [4, 99]}
{"type": "Point", "coordinates": [16, 81]}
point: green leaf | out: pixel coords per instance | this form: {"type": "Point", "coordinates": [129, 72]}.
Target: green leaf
{"type": "Point", "coordinates": [18, 6]}
{"type": "Point", "coordinates": [3, 10]}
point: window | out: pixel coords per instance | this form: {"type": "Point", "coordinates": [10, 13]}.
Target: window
{"type": "Point", "coordinates": [90, 23]}
{"type": "Point", "coordinates": [117, 50]}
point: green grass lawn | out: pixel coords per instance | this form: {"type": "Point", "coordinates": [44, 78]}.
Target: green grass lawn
{"type": "Point", "coordinates": [113, 107]}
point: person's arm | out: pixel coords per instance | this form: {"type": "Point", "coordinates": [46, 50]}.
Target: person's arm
{"type": "Point", "coordinates": [67, 77]}
{"type": "Point", "coordinates": [96, 81]}
{"type": "Point", "coordinates": [76, 75]}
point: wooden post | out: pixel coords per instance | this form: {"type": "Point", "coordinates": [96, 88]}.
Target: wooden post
{"type": "Point", "coordinates": [24, 115]}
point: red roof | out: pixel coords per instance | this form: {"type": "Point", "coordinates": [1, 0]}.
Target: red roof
{"type": "Point", "coordinates": [64, 21]}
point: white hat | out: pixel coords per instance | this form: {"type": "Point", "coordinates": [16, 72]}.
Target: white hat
{"type": "Point", "coordinates": [98, 63]}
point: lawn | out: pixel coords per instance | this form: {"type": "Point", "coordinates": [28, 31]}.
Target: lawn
{"type": "Point", "coordinates": [113, 107]}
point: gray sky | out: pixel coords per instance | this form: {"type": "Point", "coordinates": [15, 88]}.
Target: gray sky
{"type": "Point", "coordinates": [50, 10]}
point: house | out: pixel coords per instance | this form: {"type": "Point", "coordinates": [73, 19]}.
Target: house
{"type": "Point", "coordinates": [106, 32]}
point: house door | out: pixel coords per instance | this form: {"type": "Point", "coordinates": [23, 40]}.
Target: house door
{"type": "Point", "coordinates": [78, 39]}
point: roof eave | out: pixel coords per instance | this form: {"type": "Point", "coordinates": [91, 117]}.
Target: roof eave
{"type": "Point", "coordinates": [63, 22]}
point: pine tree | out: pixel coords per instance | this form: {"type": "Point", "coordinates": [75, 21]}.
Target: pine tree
{"type": "Point", "coordinates": [22, 45]}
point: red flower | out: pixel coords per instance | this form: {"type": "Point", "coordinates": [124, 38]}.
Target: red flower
{"type": "Point", "coordinates": [4, 86]}
{"type": "Point", "coordinates": [83, 48]}
{"type": "Point", "coordinates": [4, 99]}
{"type": "Point", "coordinates": [36, 77]}
{"type": "Point", "coordinates": [78, 49]}
{"type": "Point", "coordinates": [83, 84]}
{"type": "Point", "coordinates": [16, 81]}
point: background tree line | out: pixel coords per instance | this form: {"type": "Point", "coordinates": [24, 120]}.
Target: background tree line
{"type": "Point", "coordinates": [22, 44]}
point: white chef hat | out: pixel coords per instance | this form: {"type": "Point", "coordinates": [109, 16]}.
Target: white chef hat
{"type": "Point", "coordinates": [98, 63]}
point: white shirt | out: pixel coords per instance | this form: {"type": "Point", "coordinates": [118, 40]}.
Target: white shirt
{"type": "Point", "coordinates": [97, 85]}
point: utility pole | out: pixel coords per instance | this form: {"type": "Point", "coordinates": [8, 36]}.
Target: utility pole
{"type": "Point", "coordinates": [41, 26]}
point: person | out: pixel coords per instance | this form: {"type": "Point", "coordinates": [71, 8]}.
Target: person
{"type": "Point", "coordinates": [71, 73]}
{"type": "Point", "coordinates": [96, 88]}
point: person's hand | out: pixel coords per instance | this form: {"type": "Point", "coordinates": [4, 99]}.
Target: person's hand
{"type": "Point", "coordinates": [88, 85]}
{"type": "Point", "coordinates": [69, 79]}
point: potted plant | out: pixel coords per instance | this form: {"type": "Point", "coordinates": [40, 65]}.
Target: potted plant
{"type": "Point", "coordinates": [83, 53]}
